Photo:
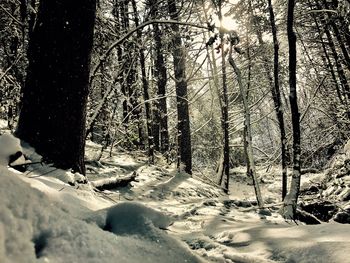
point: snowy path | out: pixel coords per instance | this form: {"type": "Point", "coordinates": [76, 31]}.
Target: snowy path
{"type": "Point", "coordinates": [219, 229]}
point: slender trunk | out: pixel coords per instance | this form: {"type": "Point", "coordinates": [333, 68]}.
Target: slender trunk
{"type": "Point", "coordinates": [337, 60]}
{"type": "Point", "coordinates": [145, 86]}
{"type": "Point", "coordinates": [340, 70]}
{"type": "Point", "coordinates": [344, 23]}
{"type": "Point", "coordinates": [225, 169]}
{"type": "Point", "coordinates": [183, 125]}
{"type": "Point", "coordinates": [326, 59]}
{"type": "Point", "coordinates": [276, 95]}
{"type": "Point", "coordinates": [215, 73]}
{"type": "Point", "coordinates": [160, 72]}
{"type": "Point", "coordinates": [245, 129]}
{"type": "Point", "coordinates": [225, 124]}
{"type": "Point", "coordinates": [161, 83]}
{"type": "Point", "coordinates": [118, 10]}
{"type": "Point", "coordinates": [329, 63]}
{"type": "Point", "coordinates": [290, 201]}
{"type": "Point", "coordinates": [252, 171]}
{"type": "Point", "coordinates": [124, 26]}
{"type": "Point", "coordinates": [338, 36]}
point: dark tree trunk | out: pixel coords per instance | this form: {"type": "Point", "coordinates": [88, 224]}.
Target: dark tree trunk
{"type": "Point", "coordinates": [338, 36]}
{"type": "Point", "coordinates": [145, 86]}
{"type": "Point", "coordinates": [161, 77]}
{"type": "Point", "coordinates": [225, 124]}
{"type": "Point", "coordinates": [340, 69]}
{"type": "Point", "coordinates": [329, 63]}
{"type": "Point", "coordinates": [337, 60]}
{"type": "Point", "coordinates": [245, 128]}
{"type": "Point", "coordinates": [276, 95]}
{"type": "Point", "coordinates": [127, 60]}
{"type": "Point", "coordinates": [54, 99]}
{"type": "Point", "coordinates": [124, 26]}
{"type": "Point", "coordinates": [183, 125]}
{"type": "Point", "coordinates": [290, 201]}
{"type": "Point", "coordinates": [344, 23]}
{"type": "Point", "coordinates": [224, 166]}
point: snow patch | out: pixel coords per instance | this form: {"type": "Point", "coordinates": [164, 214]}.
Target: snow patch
{"type": "Point", "coordinates": [8, 145]}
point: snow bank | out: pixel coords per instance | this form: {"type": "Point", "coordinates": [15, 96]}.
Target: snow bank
{"type": "Point", "coordinates": [33, 228]}
{"type": "Point", "coordinates": [320, 244]}
{"type": "Point", "coordinates": [8, 145]}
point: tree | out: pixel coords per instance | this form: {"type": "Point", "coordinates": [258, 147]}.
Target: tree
{"type": "Point", "coordinates": [53, 112]}
{"type": "Point", "coordinates": [276, 95]}
{"type": "Point", "coordinates": [145, 86]}
{"type": "Point", "coordinates": [273, 78]}
{"type": "Point", "coordinates": [183, 124]}
{"type": "Point", "coordinates": [248, 138]}
{"type": "Point", "coordinates": [161, 136]}
{"type": "Point", "coordinates": [224, 166]}
{"type": "Point", "coordinates": [290, 201]}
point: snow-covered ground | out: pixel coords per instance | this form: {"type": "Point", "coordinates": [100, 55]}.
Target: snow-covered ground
{"type": "Point", "coordinates": [49, 215]}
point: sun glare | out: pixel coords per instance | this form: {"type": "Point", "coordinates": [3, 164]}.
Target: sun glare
{"type": "Point", "coordinates": [229, 23]}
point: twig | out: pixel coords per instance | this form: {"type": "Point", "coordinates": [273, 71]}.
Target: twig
{"type": "Point", "coordinates": [35, 176]}
{"type": "Point", "coordinates": [8, 69]}
{"type": "Point", "coordinates": [10, 15]}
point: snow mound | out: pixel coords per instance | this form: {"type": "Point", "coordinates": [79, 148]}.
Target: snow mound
{"type": "Point", "coordinates": [134, 218]}
{"type": "Point", "coordinates": [3, 124]}
{"type": "Point", "coordinates": [33, 228]}
{"type": "Point", "coordinates": [8, 145]}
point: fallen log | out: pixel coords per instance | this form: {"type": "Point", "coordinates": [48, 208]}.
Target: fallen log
{"type": "Point", "coordinates": [114, 182]}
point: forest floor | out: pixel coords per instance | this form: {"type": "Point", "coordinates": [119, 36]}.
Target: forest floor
{"type": "Point", "coordinates": [161, 216]}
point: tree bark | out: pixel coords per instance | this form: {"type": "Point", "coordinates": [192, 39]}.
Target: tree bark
{"type": "Point", "coordinates": [224, 168]}
{"type": "Point", "coordinates": [337, 60]}
{"type": "Point", "coordinates": [161, 76]}
{"type": "Point", "coordinates": [338, 36]}
{"type": "Point", "coordinates": [145, 86]}
{"type": "Point", "coordinates": [248, 142]}
{"type": "Point", "coordinates": [160, 72]}
{"type": "Point", "coordinates": [183, 125]}
{"type": "Point", "coordinates": [276, 95]}
{"type": "Point", "coordinates": [290, 201]}
{"type": "Point", "coordinates": [53, 113]}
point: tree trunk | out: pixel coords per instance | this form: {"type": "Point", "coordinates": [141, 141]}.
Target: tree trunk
{"type": "Point", "coordinates": [160, 72]}
{"type": "Point", "coordinates": [276, 95]}
{"type": "Point", "coordinates": [338, 36]}
{"type": "Point", "coordinates": [225, 125]}
{"type": "Point", "coordinates": [123, 57]}
{"type": "Point", "coordinates": [275, 89]}
{"type": "Point", "coordinates": [145, 86]}
{"type": "Point", "coordinates": [248, 142]}
{"type": "Point", "coordinates": [337, 60]}
{"type": "Point", "coordinates": [161, 77]}
{"type": "Point", "coordinates": [290, 201]}
{"type": "Point", "coordinates": [53, 113]}
{"type": "Point", "coordinates": [327, 61]}
{"type": "Point", "coordinates": [183, 125]}
{"type": "Point", "coordinates": [245, 135]}
{"type": "Point", "coordinates": [224, 168]}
